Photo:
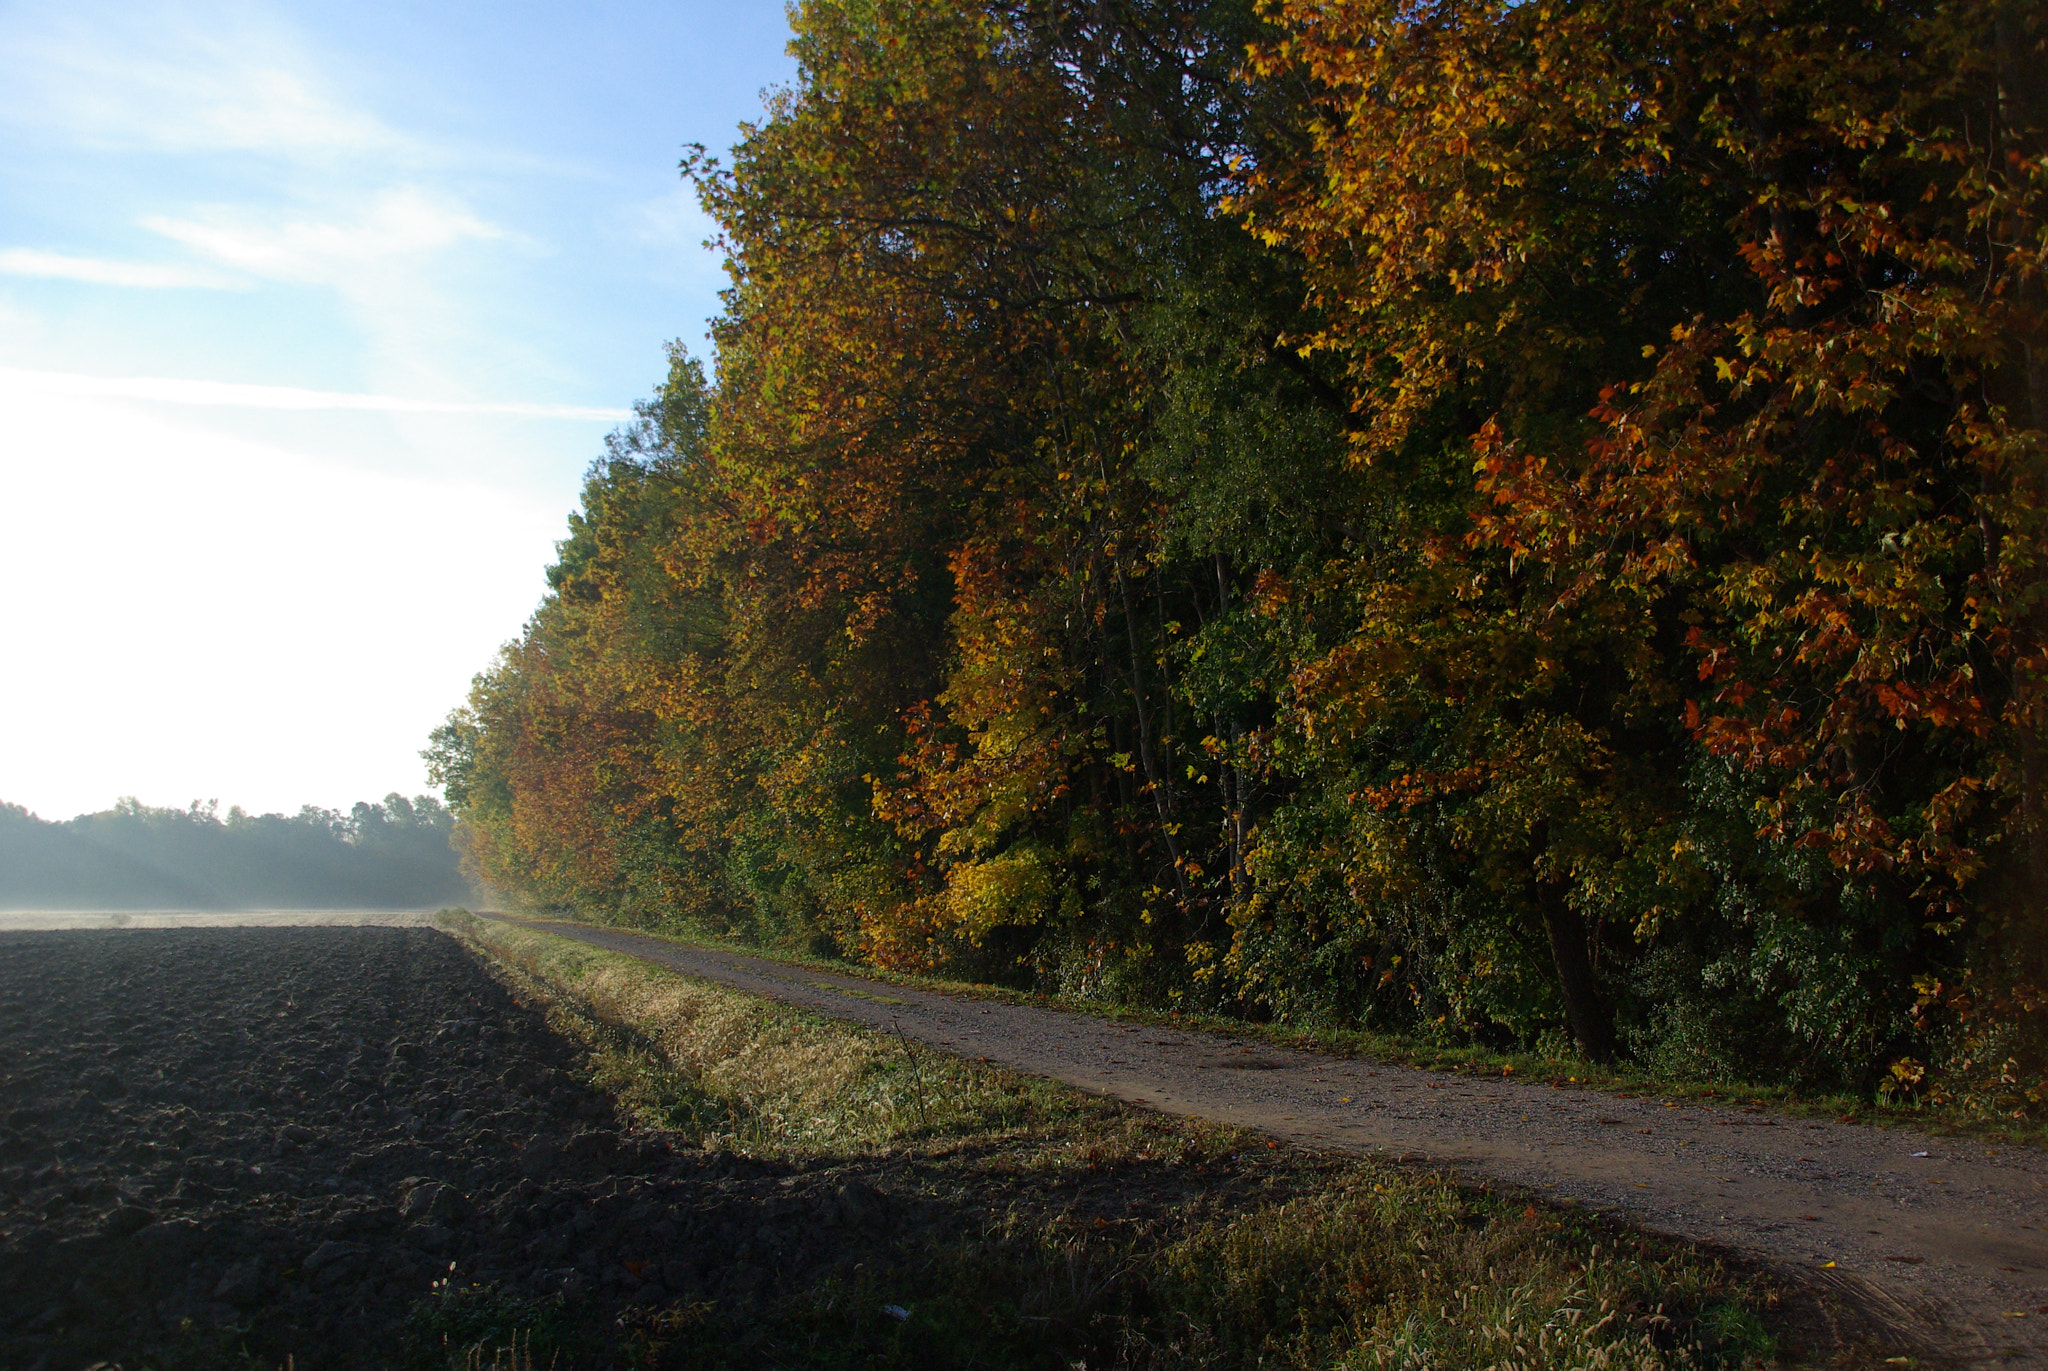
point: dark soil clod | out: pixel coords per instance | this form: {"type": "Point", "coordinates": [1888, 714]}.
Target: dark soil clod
{"type": "Point", "coordinates": [292, 1135]}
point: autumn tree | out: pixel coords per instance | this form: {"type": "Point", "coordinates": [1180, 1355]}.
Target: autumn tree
{"type": "Point", "coordinates": [1513, 522]}
{"type": "Point", "coordinates": [1730, 312]}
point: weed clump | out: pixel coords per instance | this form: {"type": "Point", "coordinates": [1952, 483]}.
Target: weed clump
{"type": "Point", "coordinates": [482, 1328]}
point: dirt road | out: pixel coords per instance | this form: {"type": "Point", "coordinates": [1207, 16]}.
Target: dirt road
{"type": "Point", "coordinates": [1945, 1239]}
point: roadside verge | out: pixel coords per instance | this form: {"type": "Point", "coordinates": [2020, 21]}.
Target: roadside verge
{"type": "Point", "coordinates": [1942, 1241]}
{"type": "Point", "coordinates": [1094, 1228]}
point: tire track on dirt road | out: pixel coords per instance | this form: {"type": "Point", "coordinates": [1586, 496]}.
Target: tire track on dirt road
{"type": "Point", "coordinates": [1944, 1240]}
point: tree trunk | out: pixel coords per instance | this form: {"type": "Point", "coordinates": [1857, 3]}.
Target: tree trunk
{"type": "Point", "coordinates": [2020, 99]}
{"type": "Point", "coordinates": [1157, 779]}
{"type": "Point", "coordinates": [1568, 950]}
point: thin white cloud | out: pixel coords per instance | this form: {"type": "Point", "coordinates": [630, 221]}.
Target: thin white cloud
{"type": "Point", "coordinates": [674, 220]}
{"type": "Point", "coordinates": [269, 108]}
{"type": "Point", "coordinates": [398, 224]}
{"type": "Point", "coordinates": [175, 80]}
{"type": "Point", "coordinates": [679, 233]}
{"type": "Point", "coordinates": [169, 390]}
{"type": "Point", "coordinates": [101, 271]}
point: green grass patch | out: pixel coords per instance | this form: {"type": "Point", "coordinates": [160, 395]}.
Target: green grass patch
{"type": "Point", "coordinates": [736, 1071]}
{"type": "Point", "coordinates": [473, 1327]}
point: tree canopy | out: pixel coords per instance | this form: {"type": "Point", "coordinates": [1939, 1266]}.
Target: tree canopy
{"type": "Point", "coordinates": [1510, 521]}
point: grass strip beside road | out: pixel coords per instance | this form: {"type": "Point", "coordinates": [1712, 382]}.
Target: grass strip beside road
{"type": "Point", "coordinates": [728, 1070]}
{"type": "Point", "coordinates": [1096, 1231]}
{"type": "Point", "coordinates": [1560, 1069]}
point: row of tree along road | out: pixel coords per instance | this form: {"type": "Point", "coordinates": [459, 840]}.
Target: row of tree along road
{"type": "Point", "coordinates": [1507, 521]}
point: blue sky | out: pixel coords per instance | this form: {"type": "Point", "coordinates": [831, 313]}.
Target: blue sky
{"type": "Point", "coordinates": [311, 317]}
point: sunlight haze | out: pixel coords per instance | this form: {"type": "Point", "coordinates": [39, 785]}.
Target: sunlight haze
{"type": "Point", "coordinates": [311, 318]}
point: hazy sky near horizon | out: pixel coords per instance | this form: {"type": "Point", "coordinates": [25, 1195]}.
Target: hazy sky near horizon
{"type": "Point", "coordinates": [311, 317]}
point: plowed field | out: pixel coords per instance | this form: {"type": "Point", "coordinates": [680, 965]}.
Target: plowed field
{"type": "Point", "coordinates": [229, 1146]}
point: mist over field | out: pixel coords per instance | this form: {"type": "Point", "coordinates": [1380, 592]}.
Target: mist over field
{"type": "Point", "coordinates": [389, 855]}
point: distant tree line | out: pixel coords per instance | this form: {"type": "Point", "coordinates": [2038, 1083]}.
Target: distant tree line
{"type": "Point", "coordinates": [1515, 522]}
{"type": "Point", "coordinates": [394, 855]}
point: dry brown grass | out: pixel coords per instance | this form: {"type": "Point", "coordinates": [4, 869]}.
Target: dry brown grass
{"type": "Point", "coordinates": [734, 1070]}
{"type": "Point", "coordinates": [1407, 1281]}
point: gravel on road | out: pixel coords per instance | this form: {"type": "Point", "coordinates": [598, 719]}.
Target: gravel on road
{"type": "Point", "coordinates": [1944, 1239]}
